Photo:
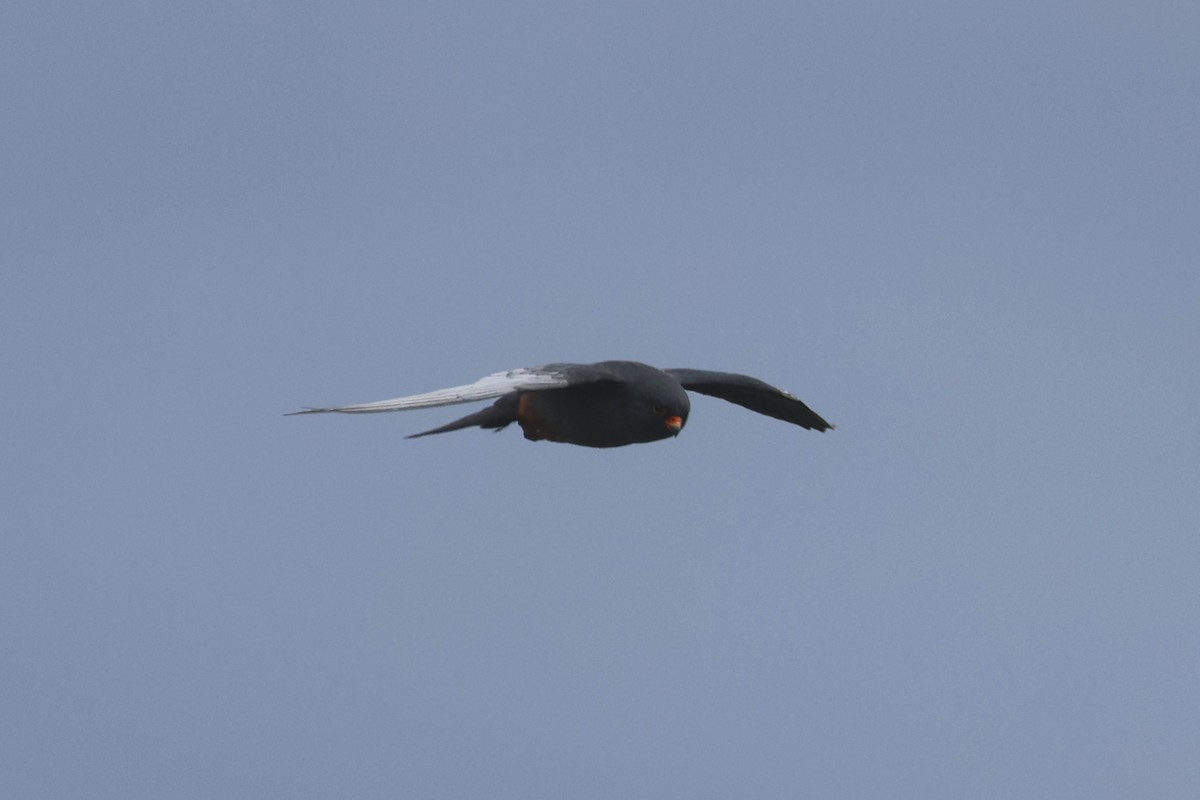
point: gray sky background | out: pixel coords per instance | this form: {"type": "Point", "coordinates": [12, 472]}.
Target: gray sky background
{"type": "Point", "coordinates": [969, 234]}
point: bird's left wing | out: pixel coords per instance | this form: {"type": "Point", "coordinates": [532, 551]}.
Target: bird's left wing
{"type": "Point", "coordinates": [751, 393]}
{"type": "Point", "coordinates": [551, 376]}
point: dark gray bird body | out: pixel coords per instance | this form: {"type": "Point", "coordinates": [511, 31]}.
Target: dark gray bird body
{"type": "Point", "coordinates": [607, 404]}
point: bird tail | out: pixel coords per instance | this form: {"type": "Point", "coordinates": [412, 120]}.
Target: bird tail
{"type": "Point", "coordinates": [497, 416]}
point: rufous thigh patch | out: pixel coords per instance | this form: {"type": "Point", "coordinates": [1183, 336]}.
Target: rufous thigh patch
{"type": "Point", "coordinates": [529, 419]}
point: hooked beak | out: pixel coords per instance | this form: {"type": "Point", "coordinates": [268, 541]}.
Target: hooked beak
{"type": "Point", "coordinates": [674, 424]}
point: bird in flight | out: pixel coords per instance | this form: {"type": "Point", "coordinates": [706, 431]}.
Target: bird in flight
{"type": "Point", "coordinates": [608, 404]}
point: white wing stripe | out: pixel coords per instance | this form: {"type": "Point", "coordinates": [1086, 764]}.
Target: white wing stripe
{"type": "Point", "coordinates": [495, 385]}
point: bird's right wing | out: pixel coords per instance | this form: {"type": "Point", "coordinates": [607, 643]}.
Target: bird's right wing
{"type": "Point", "coordinates": [550, 376]}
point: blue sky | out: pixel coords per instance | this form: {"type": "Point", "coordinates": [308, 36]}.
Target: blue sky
{"type": "Point", "coordinates": [965, 233]}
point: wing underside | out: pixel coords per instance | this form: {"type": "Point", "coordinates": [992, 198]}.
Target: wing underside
{"type": "Point", "coordinates": [753, 394]}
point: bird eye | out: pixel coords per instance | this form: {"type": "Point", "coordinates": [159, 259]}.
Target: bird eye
{"type": "Point", "coordinates": [660, 410]}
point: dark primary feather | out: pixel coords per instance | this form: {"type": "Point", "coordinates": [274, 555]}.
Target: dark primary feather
{"type": "Point", "coordinates": [751, 393]}
{"type": "Point", "coordinates": [497, 416]}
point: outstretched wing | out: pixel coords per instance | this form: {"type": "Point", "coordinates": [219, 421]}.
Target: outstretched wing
{"type": "Point", "coordinates": [751, 393]}
{"type": "Point", "coordinates": [550, 376]}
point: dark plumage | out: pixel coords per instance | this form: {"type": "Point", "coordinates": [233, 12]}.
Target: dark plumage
{"type": "Point", "coordinates": [608, 404]}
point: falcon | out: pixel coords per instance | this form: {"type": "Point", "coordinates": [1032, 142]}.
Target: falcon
{"type": "Point", "coordinates": [607, 404]}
